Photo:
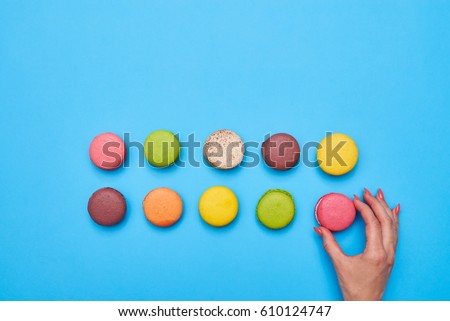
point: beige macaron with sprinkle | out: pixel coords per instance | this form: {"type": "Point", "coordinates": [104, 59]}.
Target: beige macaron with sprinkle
{"type": "Point", "coordinates": [224, 149]}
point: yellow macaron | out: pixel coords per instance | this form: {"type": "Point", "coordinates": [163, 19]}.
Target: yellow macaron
{"type": "Point", "coordinates": [337, 154]}
{"type": "Point", "coordinates": [218, 206]}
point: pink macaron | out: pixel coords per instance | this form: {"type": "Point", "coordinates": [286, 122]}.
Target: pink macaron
{"type": "Point", "coordinates": [107, 151]}
{"type": "Point", "coordinates": [335, 211]}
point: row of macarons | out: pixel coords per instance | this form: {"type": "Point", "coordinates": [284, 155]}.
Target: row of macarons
{"type": "Point", "coordinates": [337, 153]}
{"type": "Point", "coordinates": [218, 206]}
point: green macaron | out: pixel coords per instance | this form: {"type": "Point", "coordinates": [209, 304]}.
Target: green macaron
{"type": "Point", "coordinates": [162, 148]}
{"type": "Point", "coordinates": [275, 209]}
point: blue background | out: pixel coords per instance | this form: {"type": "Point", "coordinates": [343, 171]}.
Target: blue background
{"type": "Point", "coordinates": [377, 71]}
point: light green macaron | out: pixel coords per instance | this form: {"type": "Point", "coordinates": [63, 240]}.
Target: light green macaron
{"type": "Point", "coordinates": [162, 148]}
{"type": "Point", "coordinates": [276, 209]}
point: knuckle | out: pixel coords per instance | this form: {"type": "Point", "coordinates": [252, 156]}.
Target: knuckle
{"type": "Point", "coordinates": [326, 246]}
{"type": "Point", "coordinates": [390, 260]}
{"type": "Point", "coordinates": [379, 257]}
{"type": "Point", "coordinates": [376, 223]}
{"type": "Point", "coordinates": [389, 218]}
{"type": "Point", "coordinates": [385, 220]}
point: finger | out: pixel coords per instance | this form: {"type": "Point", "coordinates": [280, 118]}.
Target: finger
{"type": "Point", "coordinates": [382, 200]}
{"type": "Point", "coordinates": [373, 227]}
{"type": "Point", "coordinates": [329, 243]}
{"type": "Point", "coordinates": [395, 212]}
{"type": "Point", "coordinates": [386, 222]}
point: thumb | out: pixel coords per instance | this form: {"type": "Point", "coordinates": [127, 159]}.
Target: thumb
{"type": "Point", "coordinates": [329, 243]}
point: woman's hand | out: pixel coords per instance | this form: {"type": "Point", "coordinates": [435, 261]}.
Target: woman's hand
{"type": "Point", "coordinates": [364, 276]}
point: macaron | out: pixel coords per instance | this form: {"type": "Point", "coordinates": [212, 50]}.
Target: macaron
{"type": "Point", "coordinates": [335, 211]}
{"type": "Point", "coordinates": [281, 151]}
{"type": "Point", "coordinates": [163, 207]}
{"type": "Point", "coordinates": [224, 149]}
{"type": "Point", "coordinates": [218, 206]}
{"type": "Point", "coordinates": [276, 209]}
{"type": "Point", "coordinates": [107, 151]}
{"type": "Point", "coordinates": [162, 148]}
{"type": "Point", "coordinates": [107, 206]}
{"type": "Point", "coordinates": [337, 154]}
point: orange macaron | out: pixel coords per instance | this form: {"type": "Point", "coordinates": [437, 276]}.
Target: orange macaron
{"type": "Point", "coordinates": [163, 207]}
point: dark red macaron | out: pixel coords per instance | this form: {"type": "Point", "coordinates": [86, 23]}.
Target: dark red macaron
{"type": "Point", "coordinates": [107, 206]}
{"type": "Point", "coordinates": [335, 211]}
{"type": "Point", "coordinates": [281, 151]}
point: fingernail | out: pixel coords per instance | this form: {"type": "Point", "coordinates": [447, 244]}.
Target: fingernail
{"type": "Point", "coordinates": [366, 190]}
{"type": "Point", "coordinates": [356, 197]}
{"type": "Point", "coordinates": [397, 209]}
{"type": "Point", "coordinates": [318, 231]}
{"type": "Point", "coordinates": [380, 194]}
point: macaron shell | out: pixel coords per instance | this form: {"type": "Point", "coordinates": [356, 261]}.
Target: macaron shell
{"type": "Point", "coordinates": [163, 207]}
{"type": "Point", "coordinates": [161, 148]}
{"type": "Point", "coordinates": [335, 211]}
{"type": "Point", "coordinates": [107, 151]}
{"type": "Point", "coordinates": [229, 154]}
{"type": "Point", "coordinates": [348, 154]}
{"type": "Point", "coordinates": [281, 151]}
{"type": "Point", "coordinates": [107, 206]}
{"type": "Point", "coordinates": [218, 206]}
{"type": "Point", "coordinates": [276, 209]}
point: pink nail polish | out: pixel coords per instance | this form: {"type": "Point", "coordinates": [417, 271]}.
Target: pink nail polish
{"type": "Point", "coordinates": [380, 194]}
{"type": "Point", "coordinates": [366, 190]}
{"type": "Point", "coordinates": [397, 209]}
{"type": "Point", "coordinates": [318, 231]}
{"type": "Point", "coordinates": [356, 197]}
